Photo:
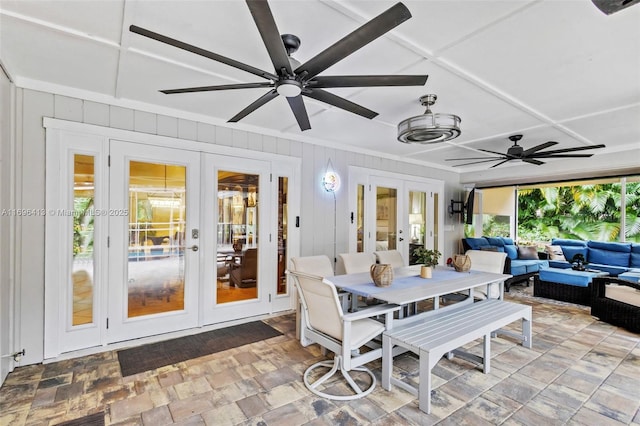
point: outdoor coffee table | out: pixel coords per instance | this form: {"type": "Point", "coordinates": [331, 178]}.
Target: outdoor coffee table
{"type": "Point", "coordinates": [566, 285]}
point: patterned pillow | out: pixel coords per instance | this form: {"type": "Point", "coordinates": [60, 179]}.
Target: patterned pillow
{"type": "Point", "coordinates": [555, 252]}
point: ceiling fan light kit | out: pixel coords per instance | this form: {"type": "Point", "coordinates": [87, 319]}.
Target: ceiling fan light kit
{"type": "Point", "coordinates": [429, 127]}
{"type": "Point", "coordinates": [294, 80]}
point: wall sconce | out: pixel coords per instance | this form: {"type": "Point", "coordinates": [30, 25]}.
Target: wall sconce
{"type": "Point", "coordinates": [331, 179]}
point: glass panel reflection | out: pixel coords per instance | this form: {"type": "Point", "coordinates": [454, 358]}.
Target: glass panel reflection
{"type": "Point", "coordinates": [237, 236]}
{"type": "Point", "coordinates": [283, 193]}
{"type": "Point", "coordinates": [386, 199]}
{"type": "Point", "coordinates": [417, 222]}
{"type": "Point", "coordinates": [360, 219]}
{"type": "Point", "coordinates": [157, 203]}
{"type": "Point", "coordinates": [83, 236]}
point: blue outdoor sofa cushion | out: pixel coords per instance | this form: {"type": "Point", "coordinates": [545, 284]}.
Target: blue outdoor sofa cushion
{"type": "Point", "coordinates": [616, 254]}
{"type": "Point", "coordinates": [635, 256]}
{"type": "Point", "coordinates": [567, 277]}
{"type": "Point", "coordinates": [571, 247]}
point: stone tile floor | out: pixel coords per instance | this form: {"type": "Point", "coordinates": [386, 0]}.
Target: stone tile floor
{"type": "Point", "coordinates": [579, 372]}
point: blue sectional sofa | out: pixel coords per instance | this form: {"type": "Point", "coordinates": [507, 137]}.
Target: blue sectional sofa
{"type": "Point", "coordinates": [521, 268]}
{"type": "Point", "coordinates": [614, 258]}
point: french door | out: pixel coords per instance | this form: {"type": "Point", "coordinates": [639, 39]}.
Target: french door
{"type": "Point", "coordinates": [143, 240]}
{"type": "Point", "coordinates": [394, 214]}
{"type": "Point", "coordinates": [153, 240]}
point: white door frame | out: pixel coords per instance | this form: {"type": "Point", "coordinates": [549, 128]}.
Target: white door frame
{"type": "Point", "coordinates": [58, 131]}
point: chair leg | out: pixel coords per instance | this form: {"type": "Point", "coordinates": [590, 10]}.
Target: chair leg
{"type": "Point", "coordinates": [334, 366]}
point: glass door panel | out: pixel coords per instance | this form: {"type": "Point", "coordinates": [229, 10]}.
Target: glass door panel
{"type": "Point", "coordinates": [237, 236]}
{"type": "Point", "coordinates": [157, 204]}
{"type": "Point", "coordinates": [417, 222]}
{"type": "Point", "coordinates": [360, 219]}
{"type": "Point", "coordinates": [386, 218]}
{"type": "Point", "coordinates": [82, 274]}
{"type": "Point", "coordinates": [283, 220]}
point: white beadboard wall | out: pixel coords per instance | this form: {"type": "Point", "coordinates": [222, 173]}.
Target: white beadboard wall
{"type": "Point", "coordinates": [317, 207]}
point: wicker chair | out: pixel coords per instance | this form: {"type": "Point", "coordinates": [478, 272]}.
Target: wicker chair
{"type": "Point", "coordinates": [614, 311]}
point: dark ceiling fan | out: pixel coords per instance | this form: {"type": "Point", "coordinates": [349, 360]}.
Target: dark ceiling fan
{"type": "Point", "coordinates": [531, 155]}
{"type": "Point", "coordinates": [294, 80]}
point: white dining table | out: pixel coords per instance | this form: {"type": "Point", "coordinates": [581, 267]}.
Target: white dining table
{"type": "Point", "coordinates": [408, 287]}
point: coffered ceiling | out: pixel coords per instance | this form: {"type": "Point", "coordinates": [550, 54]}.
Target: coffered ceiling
{"type": "Point", "coordinates": [548, 69]}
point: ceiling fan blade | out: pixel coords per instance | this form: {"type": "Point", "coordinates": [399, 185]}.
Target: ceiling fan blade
{"type": "Point", "coordinates": [337, 101]}
{"type": "Point", "coordinates": [496, 152]}
{"type": "Point", "coordinates": [528, 152]}
{"type": "Point", "coordinates": [500, 163]}
{"type": "Point", "coordinates": [579, 148]}
{"type": "Point", "coordinates": [476, 162]}
{"type": "Point", "coordinates": [268, 29]}
{"type": "Point", "coordinates": [364, 35]}
{"type": "Point", "coordinates": [271, 94]}
{"type": "Point", "coordinates": [299, 110]}
{"type": "Point", "coordinates": [367, 81]}
{"type": "Point", "coordinates": [474, 158]}
{"type": "Point", "coordinates": [563, 156]}
{"type": "Point", "coordinates": [532, 161]}
{"type": "Point", "coordinates": [222, 87]}
{"type": "Point", "coordinates": [202, 52]}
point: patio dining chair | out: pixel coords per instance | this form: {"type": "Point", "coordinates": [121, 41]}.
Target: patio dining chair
{"type": "Point", "coordinates": [343, 334]}
{"type": "Point", "coordinates": [356, 262]}
{"type": "Point", "coordinates": [487, 261]}
{"type": "Point", "coordinates": [391, 257]}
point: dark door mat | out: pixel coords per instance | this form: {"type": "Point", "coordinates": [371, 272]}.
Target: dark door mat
{"type": "Point", "coordinates": [156, 355]}
{"type": "Point", "coordinates": [96, 419]}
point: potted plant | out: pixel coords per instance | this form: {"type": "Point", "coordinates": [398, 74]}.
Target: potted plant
{"type": "Point", "coordinates": [428, 258]}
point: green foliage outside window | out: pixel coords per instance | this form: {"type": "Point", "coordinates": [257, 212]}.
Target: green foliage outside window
{"type": "Point", "coordinates": [496, 226]}
{"type": "Point", "coordinates": [584, 212]}
{"type": "Point", "coordinates": [82, 227]}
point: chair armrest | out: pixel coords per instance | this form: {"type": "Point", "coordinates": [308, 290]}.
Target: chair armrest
{"type": "Point", "coordinates": [599, 285]}
{"type": "Point", "coordinates": [507, 265]}
{"type": "Point", "coordinates": [371, 312]}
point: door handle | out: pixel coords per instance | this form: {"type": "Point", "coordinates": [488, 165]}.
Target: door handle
{"type": "Point", "coordinates": [194, 247]}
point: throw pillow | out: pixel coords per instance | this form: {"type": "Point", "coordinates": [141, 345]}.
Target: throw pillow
{"type": "Point", "coordinates": [528, 253]}
{"type": "Point", "coordinates": [554, 252]}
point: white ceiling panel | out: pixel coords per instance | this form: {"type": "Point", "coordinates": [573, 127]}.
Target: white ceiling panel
{"type": "Point", "coordinates": [548, 69]}
{"type": "Point", "coordinates": [562, 58]}
{"type": "Point", "coordinates": [39, 53]}
{"type": "Point", "coordinates": [614, 128]}
{"type": "Point", "coordinates": [95, 18]}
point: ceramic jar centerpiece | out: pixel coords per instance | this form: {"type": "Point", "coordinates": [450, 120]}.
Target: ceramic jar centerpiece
{"type": "Point", "coordinates": [428, 258]}
{"type": "Point", "coordinates": [381, 274]}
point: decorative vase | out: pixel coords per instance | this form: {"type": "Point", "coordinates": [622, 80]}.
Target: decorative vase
{"type": "Point", "coordinates": [461, 262]}
{"type": "Point", "coordinates": [381, 274]}
{"type": "Point", "coordinates": [425, 271]}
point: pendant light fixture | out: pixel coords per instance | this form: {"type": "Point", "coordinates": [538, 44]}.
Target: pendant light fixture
{"type": "Point", "coordinates": [429, 127]}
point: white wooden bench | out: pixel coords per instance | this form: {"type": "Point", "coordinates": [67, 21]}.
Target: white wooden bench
{"type": "Point", "coordinates": [445, 331]}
